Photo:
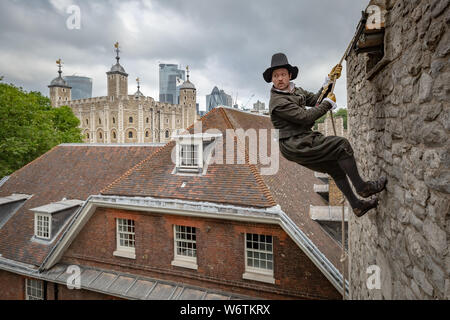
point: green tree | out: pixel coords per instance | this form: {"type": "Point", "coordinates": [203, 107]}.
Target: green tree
{"type": "Point", "coordinates": [339, 113]}
{"type": "Point", "coordinates": [29, 127]}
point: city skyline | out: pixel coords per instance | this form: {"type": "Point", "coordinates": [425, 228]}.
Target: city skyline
{"type": "Point", "coordinates": [238, 49]}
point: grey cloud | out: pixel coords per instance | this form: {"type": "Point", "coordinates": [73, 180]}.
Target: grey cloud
{"type": "Point", "coordinates": [229, 42]}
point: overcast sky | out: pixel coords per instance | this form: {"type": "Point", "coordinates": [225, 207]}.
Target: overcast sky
{"type": "Point", "coordinates": [227, 43]}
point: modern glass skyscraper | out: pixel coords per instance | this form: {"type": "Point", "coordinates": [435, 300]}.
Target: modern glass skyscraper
{"type": "Point", "coordinates": [168, 75]}
{"type": "Point", "coordinates": [218, 98]}
{"type": "Point", "coordinates": [81, 87]}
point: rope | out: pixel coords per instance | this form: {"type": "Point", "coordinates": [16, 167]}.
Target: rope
{"type": "Point", "coordinates": [332, 82]}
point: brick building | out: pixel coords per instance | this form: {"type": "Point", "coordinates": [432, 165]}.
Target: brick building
{"type": "Point", "coordinates": [166, 222]}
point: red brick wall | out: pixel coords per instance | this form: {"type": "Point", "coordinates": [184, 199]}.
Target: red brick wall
{"type": "Point", "coordinates": [12, 286]}
{"type": "Point", "coordinates": [220, 254]}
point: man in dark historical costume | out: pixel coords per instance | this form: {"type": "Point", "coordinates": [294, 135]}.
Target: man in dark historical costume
{"type": "Point", "coordinates": [332, 155]}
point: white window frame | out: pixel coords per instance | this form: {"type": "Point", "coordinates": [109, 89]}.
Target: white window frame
{"type": "Point", "coordinates": [198, 144]}
{"type": "Point", "coordinates": [125, 251]}
{"type": "Point", "coordinates": [198, 140]}
{"type": "Point", "coordinates": [179, 259]}
{"type": "Point", "coordinates": [256, 273]}
{"type": "Point", "coordinates": [34, 289]}
{"type": "Point", "coordinates": [38, 215]}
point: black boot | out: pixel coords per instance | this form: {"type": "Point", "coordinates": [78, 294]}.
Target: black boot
{"type": "Point", "coordinates": [373, 187]}
{"type": "Point", "coordinates": [364, 189]}
{"type": "Point", "coordinates": [359, 207]}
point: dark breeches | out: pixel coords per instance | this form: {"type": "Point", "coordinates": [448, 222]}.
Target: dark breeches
{"type": "Point", "coordinates": [318, 153]}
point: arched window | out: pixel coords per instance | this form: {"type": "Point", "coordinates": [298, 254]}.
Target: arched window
{"type": "Point", "coordinates": [87, 135]}
{"type": "Point", "coordinates": [146, 134]}
{"type": "Point", "coordinates": [87, 121]}
{"type": "Point", "coordinates": [146, 120]}
{"type": "Point", "coordinates": [114, 120]}
{"type": "Point", "coordinates": [130, 134]}
{"type": "Point", "coordinates": [100, 135]}
{"type": "Point", "coordinates": [114, 135]}
{"type": "Point", "coordinates": [99, 121]}
{"type": "Point", "coordinates": [167, 133]}
{"type": "Point", "coordinates": [130, 119]}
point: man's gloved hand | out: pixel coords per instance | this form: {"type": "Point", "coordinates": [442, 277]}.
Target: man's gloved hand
{"type": "Point", "coordinates": [336, 71]}
{"type": "Point", "coordinates": [331, 98]}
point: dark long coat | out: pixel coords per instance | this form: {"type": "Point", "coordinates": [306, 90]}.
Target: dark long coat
{"type": "Point", "coordinates": [297, 141]}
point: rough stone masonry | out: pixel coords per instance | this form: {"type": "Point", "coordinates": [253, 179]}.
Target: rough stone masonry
{"type": "Point", "coordinates": [399, 127]}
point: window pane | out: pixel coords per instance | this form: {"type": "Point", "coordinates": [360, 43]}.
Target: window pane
{"type": "Point", "coordinates": [259, 251]}
{"type": "Point", "coordinates": [186, 241]}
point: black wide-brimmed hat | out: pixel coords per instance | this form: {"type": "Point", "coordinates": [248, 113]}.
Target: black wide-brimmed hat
{"type": "Point", "coordinates": [279, 60]}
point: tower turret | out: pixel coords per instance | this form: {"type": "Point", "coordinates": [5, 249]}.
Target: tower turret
{"type": "Point", "coordinates": [188, 101]}
{"type": "Point", "coordinates": [60, 91]}
{"type": "Point", "coordinates": [117, 78]}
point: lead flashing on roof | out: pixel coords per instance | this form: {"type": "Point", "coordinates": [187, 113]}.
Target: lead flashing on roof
{"type": "Point", "coordinates": [55, 207]}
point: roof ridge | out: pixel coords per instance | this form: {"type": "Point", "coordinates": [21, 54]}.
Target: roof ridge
{"type": "Point", "coordinates": [261, 184]}
{"type": "Point", "coordinates": [129, 171]}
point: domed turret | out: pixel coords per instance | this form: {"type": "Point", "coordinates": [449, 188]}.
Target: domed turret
{"type": "Point", "coordinates": [60, 91]}
{"type": "Point", "coordinates": [117, 77]}
{"type": "Point", "coordinates": [187, 84]}
{"type": "Point", "coordinates": [138, 93]}
{"type": "Point", "coordinates": [59, 81]}
{"type": "Point", "coordinates": [188, 102]}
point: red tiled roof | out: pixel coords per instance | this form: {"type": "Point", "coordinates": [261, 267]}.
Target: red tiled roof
{"type": "Point", "coordinates": [237, 184]}
{"type": "Point", "coordinates": [66, 171]}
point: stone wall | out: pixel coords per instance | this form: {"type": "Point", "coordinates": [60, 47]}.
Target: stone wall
{"type": "Point", "coordinates": [399, 127]}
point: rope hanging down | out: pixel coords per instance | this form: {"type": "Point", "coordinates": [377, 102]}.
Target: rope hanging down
{"type": "Point", "coordinates": [329, 88]}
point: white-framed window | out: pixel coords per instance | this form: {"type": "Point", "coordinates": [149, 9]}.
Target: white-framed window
{"type": "Point", "coordinates": [259, 257]}
{"type": "Point", "coordinates": [34, 289]}
{"type": "Point", "coordinates": [185, 246]}
{"type": "Point", "coordinates": [42, 225]}
{"type": "Point", "coordinates": [189, 156]}
{"type": "Point", "coordinates": [194, 151]}
{"type": "Point", "coordinates": [126, 238]}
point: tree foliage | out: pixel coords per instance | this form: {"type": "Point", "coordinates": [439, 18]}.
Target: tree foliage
{"type": "Point", "coordinates": [29, 127]}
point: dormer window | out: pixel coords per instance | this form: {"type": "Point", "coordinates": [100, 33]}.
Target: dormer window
{"type": "Point", "coordinates": [193, 151]}
{"type": "Point", "coordinates": [9, 206]}
{"type": "Point", "coordinates": [189, 155]}
{"type": "Point", "coordinates": [49, 219]}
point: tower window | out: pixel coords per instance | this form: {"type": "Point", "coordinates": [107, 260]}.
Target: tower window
{"type": "Point", "coordinates": [167, 133]}
{"type": "Point", "coordinates": [114, 135]}
{"type": "Point", "coordinates": [130, 134]}
{"type": "Point", "coordinates": [114, 120]}
{"type": "Point", "coordinates": [99, 121]}
{"type": "Point", "coordinates": [146, 134]}
{"type": "Point", "coordinates": [146, 120]}
{"type": "Point", "coordinates": [130, 119]}
{"type": "Point", "coordinates": [87, 121]}
{"type": "Point", "coordinates": [100, 135]}
{"type": "Point", "coordinates": [87, 135]}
